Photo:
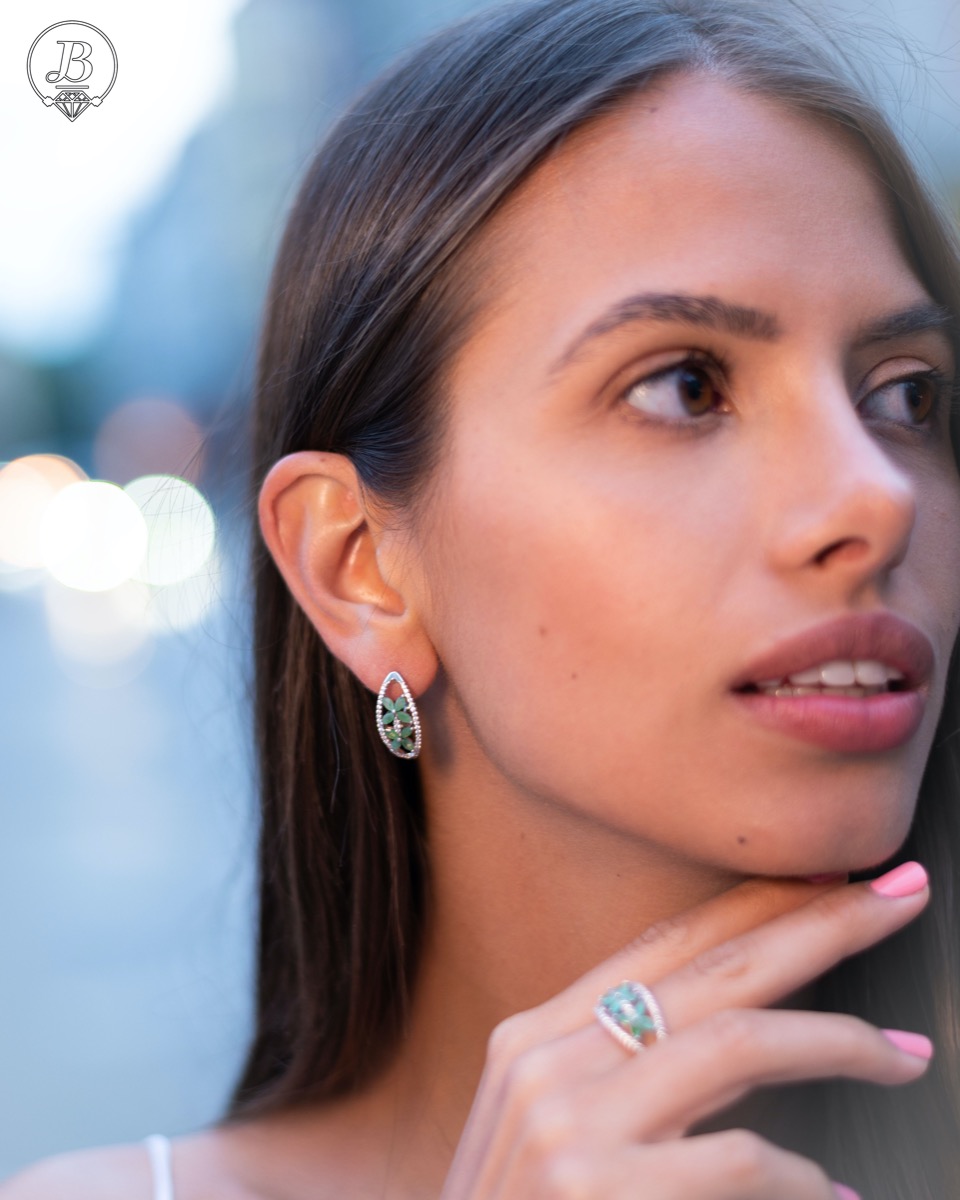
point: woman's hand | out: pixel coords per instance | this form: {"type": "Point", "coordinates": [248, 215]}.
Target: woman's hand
{"type": "Point", "coordinates": [563, 1111]}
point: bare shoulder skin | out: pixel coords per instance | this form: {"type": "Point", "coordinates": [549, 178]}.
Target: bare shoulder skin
{"type": "Point", "coordinates": [201, 1169]}
{"type": "Point", "coordinates": [348, 1148]}
{"type": "Point", "coordinates": [107, 1173]}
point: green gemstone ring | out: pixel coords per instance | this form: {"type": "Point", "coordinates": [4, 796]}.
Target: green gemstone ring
{"type": "Point", "coordinates": [631, 1014]}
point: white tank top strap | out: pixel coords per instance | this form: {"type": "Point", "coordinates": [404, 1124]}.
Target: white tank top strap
{"type": "Point", "coordinates": [158, 1147]}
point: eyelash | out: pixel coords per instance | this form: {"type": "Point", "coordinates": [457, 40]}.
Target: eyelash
{"type": "Point", "coordinates": [717, 367]}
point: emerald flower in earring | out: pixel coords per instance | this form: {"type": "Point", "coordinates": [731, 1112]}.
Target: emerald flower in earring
{"type": "Point", "coordinates": [398, 721]}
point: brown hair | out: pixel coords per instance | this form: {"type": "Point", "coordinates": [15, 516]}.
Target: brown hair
{"type": "Point", "coordinates": [376, 282]}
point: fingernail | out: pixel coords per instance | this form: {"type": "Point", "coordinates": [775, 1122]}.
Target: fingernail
{"type": "Point", "coordinates": [901, 881]}
{"type": "Point", "coordinates": [911, 1043]}
{"type": "Point", "coordinates": [845, 1193]}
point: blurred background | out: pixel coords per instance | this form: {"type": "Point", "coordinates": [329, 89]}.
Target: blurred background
{"type": "Point", "coordinates": [135, 245]}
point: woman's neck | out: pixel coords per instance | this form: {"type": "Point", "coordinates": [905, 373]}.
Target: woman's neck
{"type": "Point", "coordinates": [524, 898]}
{"type": "Point", "coordinates": [527, 895]}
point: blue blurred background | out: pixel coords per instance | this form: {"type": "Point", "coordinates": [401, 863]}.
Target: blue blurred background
{"type": "Point", "coordinates": [135, 245]}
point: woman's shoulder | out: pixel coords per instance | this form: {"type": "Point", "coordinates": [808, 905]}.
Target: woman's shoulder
{"type": "Point", "coordinates": [106, 1173]}
{"type": "Point", "coordinates": [237, 1161]}
{"type": "Point", "coordinates": [125, 1173]}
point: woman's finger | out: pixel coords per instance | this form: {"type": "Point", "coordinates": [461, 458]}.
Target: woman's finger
{"type": "Point", "coordinates": [754, 969]}
{"type": "Point", "coordinates": [766, 964]}
{"type": "Point", "coordinates": [660, 949]}
{"type": "Point", "coordinates": [551, 1098]}
{"type": "Point", "coordinates": [735, 1164]}
{"type": "Point", "coordinates": [668, 944]}
{"type": "Point", "coordinates": [751, 970]}
{"type": "Point", "coordinates": [704, 1069]}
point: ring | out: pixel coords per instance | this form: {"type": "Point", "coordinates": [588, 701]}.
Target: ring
{"type": "Point", "coordinates": [631, 1014]}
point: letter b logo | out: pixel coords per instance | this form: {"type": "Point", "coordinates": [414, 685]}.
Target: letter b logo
{"type": "Point", "coordinates": [72, 66]}
{"type": "Point", "coordinates": [73, 52]}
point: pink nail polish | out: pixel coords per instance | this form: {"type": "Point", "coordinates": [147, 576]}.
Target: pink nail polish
{"type": "Point", "coordinates": [845, 1193]}
{"type": "Point", "coordinates": [904, 880]}
{"type": "Point", "coordinates": [911, 1043]}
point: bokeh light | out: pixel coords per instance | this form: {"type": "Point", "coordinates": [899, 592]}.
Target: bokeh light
{"type": "Point", "coordinates": [27, 486]}
{"type": "Point", "coordinates": [149, 435]}
{"type": "Point", "coordinates": [181, 528]}
{"type": "Point", "coordinates": [92, 536]}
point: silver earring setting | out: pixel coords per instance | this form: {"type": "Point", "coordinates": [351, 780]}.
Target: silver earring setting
{"type": "Point", "coordinates": [398, 721]}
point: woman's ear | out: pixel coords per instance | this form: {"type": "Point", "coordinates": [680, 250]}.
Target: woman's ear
{"type": "Point", "coordinates": [324, 540]}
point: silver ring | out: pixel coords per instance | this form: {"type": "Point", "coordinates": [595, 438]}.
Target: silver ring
{"type": "Point", "coordinates": [631, 1014]}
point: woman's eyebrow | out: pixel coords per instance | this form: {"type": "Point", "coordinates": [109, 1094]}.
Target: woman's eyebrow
{"type": "Point", "coordinates": [925, 317]}
{"type": "Point", "coordinates": [706, 312]}
{"type": "Point", "coordinates": [710, 312]}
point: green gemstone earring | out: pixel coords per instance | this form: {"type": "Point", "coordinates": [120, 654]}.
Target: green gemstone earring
{"type": "Point", "coordinates": [398, 721]}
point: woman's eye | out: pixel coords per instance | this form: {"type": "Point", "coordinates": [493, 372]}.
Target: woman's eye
{"type": "Point", "coordinates": [677, 393]}
{"type": "Point", "coordinates": [910, 401]}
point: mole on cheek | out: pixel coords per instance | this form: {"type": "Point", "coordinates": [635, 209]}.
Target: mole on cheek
{"type": "Point", "coordinates": [741, 839]}
{"type": "Point", "coordinates": [543, 631]}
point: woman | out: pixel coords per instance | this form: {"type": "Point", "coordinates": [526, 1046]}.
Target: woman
{"type": "Point", "coordinates": [605, 397]}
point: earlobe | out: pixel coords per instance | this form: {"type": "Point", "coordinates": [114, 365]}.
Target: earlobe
{"type": "Point", "coordinates": [323, 539]}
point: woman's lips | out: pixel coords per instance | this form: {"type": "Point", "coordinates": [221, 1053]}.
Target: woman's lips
{"type": "Point", "coordinates": [864, 724]}
{"type": "Point", "coordinates": [878, 636]}
{"type": "Point", "coordinates": [845, 724]}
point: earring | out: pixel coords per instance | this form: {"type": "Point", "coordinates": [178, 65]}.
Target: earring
{"type": "Point", "coordinates": [398, 721]}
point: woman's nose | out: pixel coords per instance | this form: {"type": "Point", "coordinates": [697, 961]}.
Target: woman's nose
{"type": "Point", "coordinates": [846, 507]}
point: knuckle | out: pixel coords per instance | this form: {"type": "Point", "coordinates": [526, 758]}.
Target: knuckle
{"type": "Point", "coordinates": [745, 1158]}
{"type": "Point", "coordinates": [857, 1031]}
{"type": "Point", "coordinates": [670, 931]}
{"type": "Point", "coordinates": [727, 961]}
{"type": "Point", "coordinates": [507, 1040]}
{"type": "Point", "coordinates": [861, 1041]}
{"type": "Point", "coordinates": [529, 1077]}
{"type": "Point", "coordinates": [734, 1028]}
{"type": "Point", "coordinates": [549, 1128]}
{"type": "Point", "coordinates": [567, 1176]}
{"type": "Point", "coordinates": [844, 915]}
{"type": "Point", "coordinates": [837, 903]}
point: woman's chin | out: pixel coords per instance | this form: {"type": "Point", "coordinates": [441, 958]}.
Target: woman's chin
{"type": "Point", "coordinates": [823, 847]}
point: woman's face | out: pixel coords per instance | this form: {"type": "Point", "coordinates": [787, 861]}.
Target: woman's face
{"type": "Point", "coordinates": [622, 529]}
